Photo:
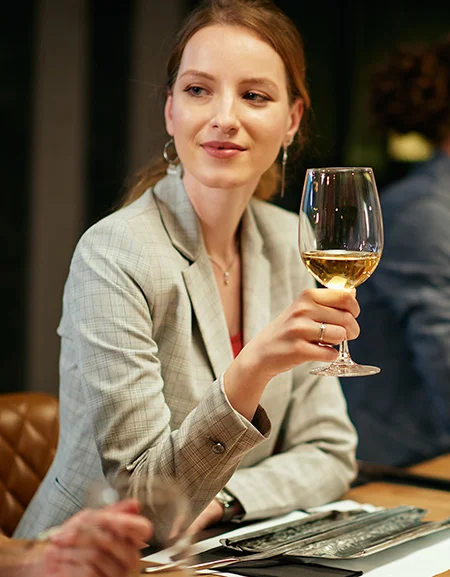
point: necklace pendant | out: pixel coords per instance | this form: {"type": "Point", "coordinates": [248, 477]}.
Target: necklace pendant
{"type": "Point", "coordinates": [226, 278]}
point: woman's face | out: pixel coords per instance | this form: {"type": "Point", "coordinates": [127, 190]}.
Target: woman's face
{"type": "Point", "coordinates": [229, 111]}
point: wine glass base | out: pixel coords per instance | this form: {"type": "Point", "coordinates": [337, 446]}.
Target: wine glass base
{"type": "Point", "coordinates": [351, 369]}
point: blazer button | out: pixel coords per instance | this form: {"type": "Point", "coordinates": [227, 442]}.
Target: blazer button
{"type": "Point", "coordinates": [218, 448]}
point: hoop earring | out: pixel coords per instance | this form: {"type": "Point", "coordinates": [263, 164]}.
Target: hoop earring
{"type": "Point", "coordinates": [283, 168]}
{"type": "Point", "coordinates": [171, 161]}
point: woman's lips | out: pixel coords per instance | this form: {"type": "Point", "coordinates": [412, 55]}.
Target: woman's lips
{"type": "Point", "coordinates": [222, 149]}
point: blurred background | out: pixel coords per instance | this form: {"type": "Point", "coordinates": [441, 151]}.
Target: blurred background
{"type": "Point", "coordinates": [81, 101]}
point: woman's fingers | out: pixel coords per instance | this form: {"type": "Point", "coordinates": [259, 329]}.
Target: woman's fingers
{"type": "Point", "coordinates": [135, 529]}
{"type": "Point", "coordinates": [333, 298]}
{"type": "Point", "coordinates": [100, 542]}
{"type": "Point", "coordinates": [123, 525]}
{"type": "Point", "coordinates": [323, 333]}
{"type": "Point", "coordinates": [209, 516]}
{"type": "Point", "coordinates": [319, 353]}
{"type": "Point", "coordinates": [124, 506]}
{"type": "Point", "coordinates": [336, 309]}
{"type": "Point", "coordinates": [339, 325]}
{"type": "Point", "coordinates": [95, 549]}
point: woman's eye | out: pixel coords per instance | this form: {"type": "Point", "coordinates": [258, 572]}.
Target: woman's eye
{"type": "Point", "coordinates": [255, 97]}
{"type": "Point", "coordinates": [195, 90]}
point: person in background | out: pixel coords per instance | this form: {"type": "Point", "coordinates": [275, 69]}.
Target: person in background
{"type": "Point", "coordinates": [189, 322]}
{"type": "Point", "coordinates": [93, 543]}
{"type": "Point", "coordinates": [403, 414]}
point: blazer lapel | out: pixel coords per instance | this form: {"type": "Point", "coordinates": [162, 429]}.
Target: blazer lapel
{"type": "Point", "coordinates": [256, 278]}
{"type": "Point", "coordinates": [178, 216]}
{"type": "Point", "coordinates": [183, 228]}
{"type": "Point", "coordinates": [204, 294]}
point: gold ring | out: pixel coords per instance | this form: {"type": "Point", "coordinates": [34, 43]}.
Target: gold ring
{"type": "Point", "coordinates": [322, 328]}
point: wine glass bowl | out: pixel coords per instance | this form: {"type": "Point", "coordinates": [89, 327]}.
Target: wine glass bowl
{"type": "Point", "coordinates": [341, 239]}
{"type": "Point", "coordinates": [169, 509]}
{"type": "Point", "coordinates": [163, 502]}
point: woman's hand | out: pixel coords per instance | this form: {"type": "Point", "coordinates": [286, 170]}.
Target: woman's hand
{"type": "Point", "coordinates": [290, 340]}
{"type": "Point", "coordinates": [293, 337]}
{"type": "Point", "coordinates": [98, 543]}
{"type": "Point", "coordinates": [210, 516]}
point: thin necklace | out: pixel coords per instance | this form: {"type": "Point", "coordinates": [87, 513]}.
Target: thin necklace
{"type": "Point", "coordinates": [227, 270]}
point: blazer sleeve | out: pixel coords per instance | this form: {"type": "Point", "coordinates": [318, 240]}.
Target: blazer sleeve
{"type": "Point", "coordinates": [107, 324]}
{"type": "Point", "coordinates": [315, 462]}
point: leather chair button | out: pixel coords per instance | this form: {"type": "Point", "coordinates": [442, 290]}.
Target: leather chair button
{"type": "Point", "coordinates": [218, 448]}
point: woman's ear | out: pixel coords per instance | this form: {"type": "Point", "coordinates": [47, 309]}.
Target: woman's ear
{"type": "Point", "coordinates": [295, 117]}
{"type": "Point", "coordinates": [168, 114]}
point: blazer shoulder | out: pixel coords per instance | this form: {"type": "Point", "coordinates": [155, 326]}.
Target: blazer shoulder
{"type": "Point", "coordinates": [132, 239]}
{"type": "Point", "coordinates": [138, 222]}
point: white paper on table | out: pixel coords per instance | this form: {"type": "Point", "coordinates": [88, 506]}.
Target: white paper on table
{"type": "Point", "coordinates": [421, 557]}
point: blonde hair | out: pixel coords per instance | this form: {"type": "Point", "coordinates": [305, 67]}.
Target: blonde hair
{"type": "Point", "coordinates": [267, 21]}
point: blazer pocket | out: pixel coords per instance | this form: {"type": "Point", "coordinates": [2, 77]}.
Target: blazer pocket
{"type": "Point", "coordinates": [74, 500]}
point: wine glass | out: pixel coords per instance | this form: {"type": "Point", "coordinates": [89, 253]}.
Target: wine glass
{"type": "Point", "coordinates": [341, 239]}
{"type": "Point", "coordinates": [164, 504]}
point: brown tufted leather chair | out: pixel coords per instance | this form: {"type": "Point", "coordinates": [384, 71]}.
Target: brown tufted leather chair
{"type": "Point", "coordinates": [29, 428]}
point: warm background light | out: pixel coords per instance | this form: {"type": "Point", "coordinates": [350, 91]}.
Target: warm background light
{"type": "Point", "coordinates": [411, 147]}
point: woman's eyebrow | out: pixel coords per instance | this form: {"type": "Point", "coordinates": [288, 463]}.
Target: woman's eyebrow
{"type": "Point", "coordinates": [261, 81]}
{"type": "Point", "coordinates": [197, 73]}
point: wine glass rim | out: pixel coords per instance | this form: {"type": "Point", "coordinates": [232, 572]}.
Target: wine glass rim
{"type": "Point", "coordinates": [341, 169]}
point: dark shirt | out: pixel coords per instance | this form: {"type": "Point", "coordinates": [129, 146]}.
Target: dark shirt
{"type": "Point", "coordinates": [402, 415]}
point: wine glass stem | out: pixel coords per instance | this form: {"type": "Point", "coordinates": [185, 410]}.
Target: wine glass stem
{"type": "Point", "coordinates": [344, 354]}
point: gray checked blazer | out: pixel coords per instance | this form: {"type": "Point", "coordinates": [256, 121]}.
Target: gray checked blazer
{"type": "Point", "coordinates": [144, 344]}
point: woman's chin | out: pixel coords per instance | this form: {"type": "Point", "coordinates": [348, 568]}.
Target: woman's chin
{"type": "Point", "coordinates": [226, 181]}
{"type": "Point", "coordinates": [229, 179]}
{"type": "Point", "coordinates": [223, 184]}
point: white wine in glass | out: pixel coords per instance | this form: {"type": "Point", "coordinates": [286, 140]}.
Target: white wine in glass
{"type": "Point", "coordinates": [341, 239]}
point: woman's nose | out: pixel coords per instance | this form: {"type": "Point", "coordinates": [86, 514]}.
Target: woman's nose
{"type": "Point", "coordinates": [225, 116]}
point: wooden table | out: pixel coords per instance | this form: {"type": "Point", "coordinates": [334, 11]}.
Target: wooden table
{"type": "Point", "coordinates": [390, 495]}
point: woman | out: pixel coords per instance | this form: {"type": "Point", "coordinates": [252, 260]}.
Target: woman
{"type": "Point", "coordinates": [403, 415]}
{"type": "Point", "coordinates": [163, 293]}
{"type": "Point", "coordinates": [93, 543]}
